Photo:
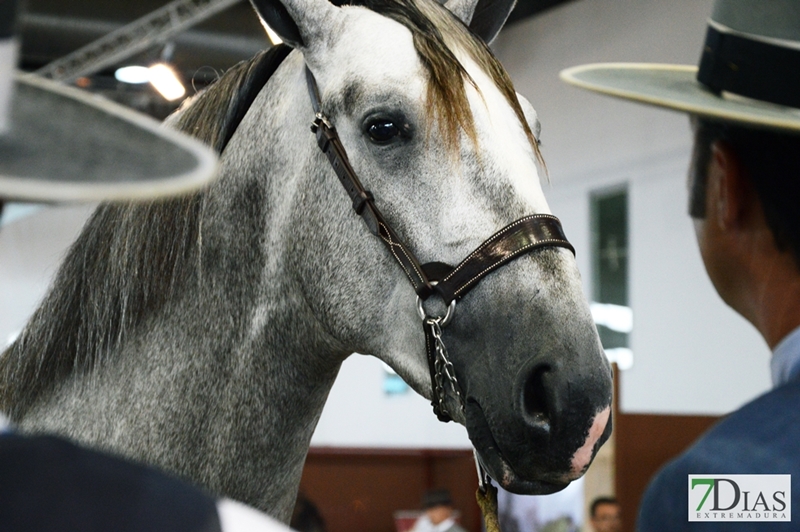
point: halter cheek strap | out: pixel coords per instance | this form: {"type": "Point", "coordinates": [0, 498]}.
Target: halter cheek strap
{"type": "Point", "coordinates": [451, 283]}
{"type": "Point", "coordinates": [363, 201]}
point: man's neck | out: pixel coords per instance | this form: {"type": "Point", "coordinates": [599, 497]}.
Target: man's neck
{"type": "Point", "coordinates": [444, 525]}
{"type": "Point", "coordinates": [773, 306]}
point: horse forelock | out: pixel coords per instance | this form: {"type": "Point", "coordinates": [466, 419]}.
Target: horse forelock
{"type": "Point", "coordinates": [129, 258]}
{"type": "Point", "coordinates": [437, 35]}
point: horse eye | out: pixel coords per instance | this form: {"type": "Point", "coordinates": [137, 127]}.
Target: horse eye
{"type": "Point", "coordinates": [382, 131]}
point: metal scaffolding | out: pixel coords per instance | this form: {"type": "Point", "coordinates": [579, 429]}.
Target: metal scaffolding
{"type": "Point", "coordinates": [152, 29]}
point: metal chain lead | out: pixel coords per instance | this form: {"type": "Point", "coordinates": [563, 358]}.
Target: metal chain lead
{"type": "Point", "coordinates": [445, 371]}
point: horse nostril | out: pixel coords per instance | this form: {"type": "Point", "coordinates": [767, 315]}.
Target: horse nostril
{"type": "Point", "coordinates": [534, 398]}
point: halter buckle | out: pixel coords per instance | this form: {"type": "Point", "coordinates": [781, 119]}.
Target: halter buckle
{"type": "Point", "coordinates": [320, 119]}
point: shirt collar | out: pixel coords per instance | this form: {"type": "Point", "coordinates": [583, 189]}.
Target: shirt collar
{"type": "Point", "coordinates": [785, 364]}
{"type": "Point", "coordinates": [4, 424]}
{"type": "Point", "coordinates": [444, 525]}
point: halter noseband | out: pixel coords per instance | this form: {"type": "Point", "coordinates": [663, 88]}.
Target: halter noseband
{"type": "Point", "coordinates": [451, 283]}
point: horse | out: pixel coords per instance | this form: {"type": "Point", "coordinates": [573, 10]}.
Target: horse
{"type": "Point", "coordinates": [202, 333]}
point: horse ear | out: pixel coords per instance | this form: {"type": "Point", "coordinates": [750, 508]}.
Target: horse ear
{"type": "Point", "coordinates": [484, 17]}
{"type": "Point", "coordinates": [295, 21]}
{"type": "Point", "coordinates": [462, 9]}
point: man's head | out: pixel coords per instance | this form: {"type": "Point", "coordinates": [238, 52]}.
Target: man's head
{"type": "Point", "coordinates": [438, 505]}
{"type": "Point", "coordinates": [743, 195]}
{"type": "Point", "coordinates": [605, 515]}
{"type": "Point", "coordinates": [770, 163]}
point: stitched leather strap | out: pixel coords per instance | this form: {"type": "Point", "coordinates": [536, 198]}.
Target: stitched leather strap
{"type": "Point", "coordinates": [364, 205]}
{"type": "Point", "coordinates": [523, 236]}
{"type": "Point", "coordinates": [363, 201]}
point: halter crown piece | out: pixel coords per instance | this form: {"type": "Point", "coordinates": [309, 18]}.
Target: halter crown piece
{"type": "Point", "coordinates": [450, 283]}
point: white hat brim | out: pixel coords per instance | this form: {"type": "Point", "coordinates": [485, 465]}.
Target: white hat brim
{"type": "Point", "coordinates": [676, 87]}
{"type": "Point", "coordinates": [66, 145]}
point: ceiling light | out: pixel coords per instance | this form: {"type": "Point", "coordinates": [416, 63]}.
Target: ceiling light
{"type": "Point", "coordinates": [133, 74]}
{"type": "Point", "coordinates": [166, 82]}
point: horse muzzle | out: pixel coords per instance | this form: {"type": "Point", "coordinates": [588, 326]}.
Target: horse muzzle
{"type": "Point", "coordinates": [550, 436]}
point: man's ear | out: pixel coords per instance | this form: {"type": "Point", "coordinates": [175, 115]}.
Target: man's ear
{"type": "Point", "coordinates": [732, 196]}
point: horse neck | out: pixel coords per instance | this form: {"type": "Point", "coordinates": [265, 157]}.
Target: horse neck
{"type": "Point", "coordinates": [281, 362]}
{"type": "Point", "coordinates": [235, 358]}
{"type": "Point", "coordinates": [278, 363]}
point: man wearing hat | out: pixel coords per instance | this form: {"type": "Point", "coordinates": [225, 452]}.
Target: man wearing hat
{"type": "Point", "coordinates": [439, 513]}
{"type": "Point", "coordinates": [744, 198]}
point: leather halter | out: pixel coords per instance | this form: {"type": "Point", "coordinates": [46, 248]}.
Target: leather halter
{"type": "Point", "coordinates": [451, 283]}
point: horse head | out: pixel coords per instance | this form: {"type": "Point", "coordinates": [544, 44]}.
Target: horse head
{"type": "Point", "coordinates": [432, 126]}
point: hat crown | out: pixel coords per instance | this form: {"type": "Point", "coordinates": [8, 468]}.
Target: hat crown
{"type": "Point", "coordinates": [436, 497]}
{"type": "Point", "coordinates": [774, 19]}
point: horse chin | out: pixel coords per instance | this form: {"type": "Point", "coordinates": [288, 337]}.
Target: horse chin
{"type": "Point", "coordinates": [502, 473]}
{"type": "Point", "coordinates": [495, 464]}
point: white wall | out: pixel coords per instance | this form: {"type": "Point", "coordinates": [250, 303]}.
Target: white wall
{"type": "Point", "coordinates": [693, 355]}
{"type": "Point", "coordinates": [31, 248]}
{"type": "Point", "coordinates": [359, 414]}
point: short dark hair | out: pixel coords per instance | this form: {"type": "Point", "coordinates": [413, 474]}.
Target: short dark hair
{"type": "Point", "coordinates": [771, 160]}
{"type": "Point", "coordinates": [602, 500]}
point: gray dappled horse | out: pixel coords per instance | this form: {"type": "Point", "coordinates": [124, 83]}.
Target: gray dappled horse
{"type": "Point", "coordinates": [203, 334]}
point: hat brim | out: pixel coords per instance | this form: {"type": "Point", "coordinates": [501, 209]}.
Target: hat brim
{"type": "Point", "coordinates": [676, 87]}
{"type": "Point", "coordinates": [66, 145]}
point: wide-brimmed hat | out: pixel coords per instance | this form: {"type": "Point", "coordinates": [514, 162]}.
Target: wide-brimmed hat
{"type": "Point", "coordinates": [749, 69]}
{"type": "Point", "coordinates": [436, 497]}
{"type": "Point", "coordinates": [68, 145]}
{"type": "Point", "coordinates": [62, 144]}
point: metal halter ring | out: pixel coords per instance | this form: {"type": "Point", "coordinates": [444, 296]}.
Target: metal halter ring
{"type": "Point", "coordinates": [442, 320]}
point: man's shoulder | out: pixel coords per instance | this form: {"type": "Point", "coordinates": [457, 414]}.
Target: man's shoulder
{"type": "Point", "coordinates": [759, 438]}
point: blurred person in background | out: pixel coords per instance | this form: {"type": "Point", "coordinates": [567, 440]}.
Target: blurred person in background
{"type": "Point", "coordinates": [440, 515]}
{"type": "Point", "coordinates": [605, 515]}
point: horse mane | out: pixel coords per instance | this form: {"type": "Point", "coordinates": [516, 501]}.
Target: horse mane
{"type": "Point", "coordinates": [129, 258]}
